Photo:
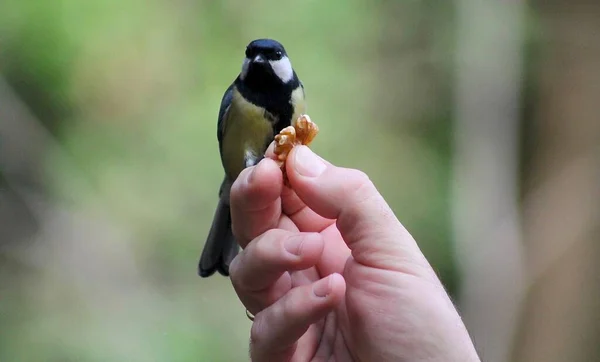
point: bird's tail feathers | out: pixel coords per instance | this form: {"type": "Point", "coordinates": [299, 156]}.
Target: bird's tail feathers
{"type": "Point", "coordinates": [220, 247]}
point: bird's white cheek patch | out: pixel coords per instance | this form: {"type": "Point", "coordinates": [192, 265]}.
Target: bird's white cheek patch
{"type": "Point", "coordinates": [245, 66]}
{"type": "Point", "coordinates": [283, 69]}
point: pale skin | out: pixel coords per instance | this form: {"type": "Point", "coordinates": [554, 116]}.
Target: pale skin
{"type": "Point", "coordinates": [331, 274]}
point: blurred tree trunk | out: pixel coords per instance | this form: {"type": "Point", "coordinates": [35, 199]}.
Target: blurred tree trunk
{"type": "Point", "coordinates": [486, 213]}
{"type": "Point", "coordinates": [561, 319]}
{"type": "Point", "coordinates": [412, 100]}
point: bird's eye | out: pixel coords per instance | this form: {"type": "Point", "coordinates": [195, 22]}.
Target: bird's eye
{"type": "Point", "coordinates": [278, 54]}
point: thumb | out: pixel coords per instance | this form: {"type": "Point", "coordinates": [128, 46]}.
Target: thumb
{"type": "Point", "coordinates": [365, 221]}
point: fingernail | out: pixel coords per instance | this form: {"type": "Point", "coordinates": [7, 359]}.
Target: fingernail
{"type": "Point", "coordinates": [293, 244]}
{"type": "Point", "coordinates": [323, 287]}
{"type": "Point", "coordinates": [307, 163]}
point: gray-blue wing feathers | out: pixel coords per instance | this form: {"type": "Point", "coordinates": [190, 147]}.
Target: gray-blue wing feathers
{"type": "Point", "coordinates": [225, 104]}
{"type": "Point", "coordinates": [220, 247]}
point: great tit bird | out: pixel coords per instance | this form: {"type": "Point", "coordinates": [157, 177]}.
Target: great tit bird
{"type": "Point", "coordinates": [266, 97]}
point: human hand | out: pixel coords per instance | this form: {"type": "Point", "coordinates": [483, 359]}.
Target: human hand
{"type": "Point", "coordinates": [331, 274]}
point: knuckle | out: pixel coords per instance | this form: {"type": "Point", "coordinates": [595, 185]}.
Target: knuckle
{"type": "Point", "coordinates": [361, 187]}
{"type": "Point", "coordinates": [234, 272]}
{"type": "Point", "coordinates": [289, 307]}
{"type": "Point", "coordinates": [263, 248]}
{"type": "Point", "coordinates": [261, 251]}
{"type": "Point", "coordinates": [364, 209]}
{"type": "Point", "coordinates": [361, 176]}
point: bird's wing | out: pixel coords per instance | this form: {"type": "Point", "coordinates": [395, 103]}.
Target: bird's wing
{"type": "Point", "coordinates": [221, 123]}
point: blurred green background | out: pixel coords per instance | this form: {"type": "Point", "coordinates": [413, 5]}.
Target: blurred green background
{"type": "Point", "coordinates": [461, 112]}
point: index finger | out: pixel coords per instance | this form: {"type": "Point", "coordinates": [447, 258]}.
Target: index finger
{"type": "Point", "coordinates": [256, 201]}
{"type": "Point", "coordinates": [304, 217]}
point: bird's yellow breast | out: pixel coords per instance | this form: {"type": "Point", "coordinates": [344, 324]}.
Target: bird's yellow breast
{"type": "Point", "coordinates": [246, 133]}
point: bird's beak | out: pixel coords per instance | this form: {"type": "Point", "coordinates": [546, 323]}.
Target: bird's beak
{"type": "Point", "coordinates": [259, 59]}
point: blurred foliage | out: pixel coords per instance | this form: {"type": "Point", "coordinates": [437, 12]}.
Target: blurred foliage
{"type": "Point", "coordinates": [131, 90]}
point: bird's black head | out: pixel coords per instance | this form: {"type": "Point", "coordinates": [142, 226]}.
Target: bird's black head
{"type": "Point", "coordinates": [269, 49]}
{"type": "Point", "coordinates": [267, 65]}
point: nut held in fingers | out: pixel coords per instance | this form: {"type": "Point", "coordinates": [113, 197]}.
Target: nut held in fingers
{"type": "Point", "coordinates": [303, 132]}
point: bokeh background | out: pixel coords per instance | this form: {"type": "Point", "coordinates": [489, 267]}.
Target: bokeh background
{"type": "Point", "coordinates": [478, 120]}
